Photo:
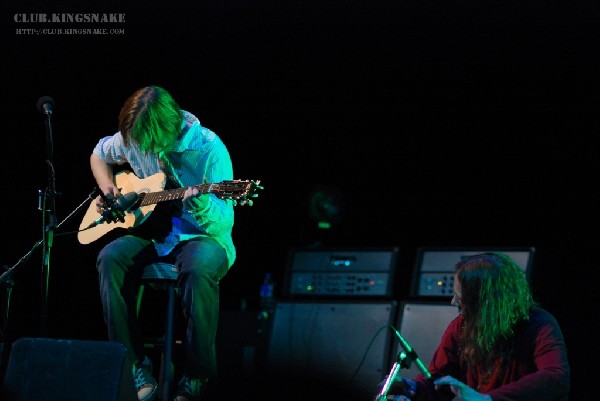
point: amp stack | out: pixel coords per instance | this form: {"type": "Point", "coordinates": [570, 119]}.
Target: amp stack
{"type": "Point", "coordinates": [332, 321]}
{"type": "Point", "coordinates": [423, 318]}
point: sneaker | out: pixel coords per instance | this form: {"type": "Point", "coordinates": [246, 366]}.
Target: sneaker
{"type": "Point", "coordinates": [145, 384]}
{"type": "Point", "coordinates": [189, 389]}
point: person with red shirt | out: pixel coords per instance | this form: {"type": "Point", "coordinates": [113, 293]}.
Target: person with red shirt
{"type": "Point", "coordinates": [501, 347]}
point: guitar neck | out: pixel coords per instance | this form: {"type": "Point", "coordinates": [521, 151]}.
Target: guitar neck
{"type": "Point", "coordinates": [151, 198]}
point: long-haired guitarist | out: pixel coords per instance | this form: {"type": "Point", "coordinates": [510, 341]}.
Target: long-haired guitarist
{"type": "Point", "coordinates": [155, 136]}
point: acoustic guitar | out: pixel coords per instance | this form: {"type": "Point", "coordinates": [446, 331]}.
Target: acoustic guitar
{"type": "Point", "coordinates": [140, 197]}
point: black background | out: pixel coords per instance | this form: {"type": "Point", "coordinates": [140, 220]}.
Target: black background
{"type": "Point", "coordinates": [441, 123]}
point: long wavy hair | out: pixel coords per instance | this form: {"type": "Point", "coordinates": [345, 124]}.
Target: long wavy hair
{"type": "Point", "coordinates": [495, 298]}
{"type": "Point", "coordinates": [151, 118]}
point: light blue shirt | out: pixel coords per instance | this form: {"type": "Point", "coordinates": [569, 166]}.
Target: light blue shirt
{"type": "Point", "coordinates": [197, 157]}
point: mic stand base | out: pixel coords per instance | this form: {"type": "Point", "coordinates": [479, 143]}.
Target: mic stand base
{"type": "Point", "coordinates": [4, 340]}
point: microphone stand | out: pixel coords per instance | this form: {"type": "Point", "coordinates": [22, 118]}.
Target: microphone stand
{"type": "Point", "coordinates": [49, 219]}
{"type": "Point", "coordinates": [6, 281]}
{"type": "Point", "coordinates": [401, 362]}
{"type": "Point", "coordinates": [406, 356]}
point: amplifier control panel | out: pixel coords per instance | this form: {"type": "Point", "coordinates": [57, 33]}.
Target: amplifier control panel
{"type": "Point", "coordinates": [341, 272]}
{"type": "Point", "coordinates": [340, 284]}
{"type": "Point", "coordinates": [434, 267]}
{"type": "Point", "coordinates": [436, 284]}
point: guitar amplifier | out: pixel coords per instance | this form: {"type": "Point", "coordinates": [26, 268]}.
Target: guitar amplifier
{"type": "Point", "coordinates": [341, 347]}
{"type": "Point", "coordinates": [348, 273]}
{"type": "Point", "coordinates": [434, 267]}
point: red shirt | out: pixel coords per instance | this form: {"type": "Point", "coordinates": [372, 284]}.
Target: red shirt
{"type": "Point", "coordinates": [539, 370]}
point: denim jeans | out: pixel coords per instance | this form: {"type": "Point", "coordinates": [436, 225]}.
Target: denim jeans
{"type": "Point", "coordinates": [202, 263]}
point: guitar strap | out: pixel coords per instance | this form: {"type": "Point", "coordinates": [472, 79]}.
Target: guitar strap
{"type": "Point", "coordinates": [165, 164]}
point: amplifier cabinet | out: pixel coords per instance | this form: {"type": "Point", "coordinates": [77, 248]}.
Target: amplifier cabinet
{"type": "Point", "coordinates": [347, 273]}
{"type": "Point", "coordinates": [67, 370]}
{"type": "Point", "coordinates": [341, 346]}
{"type": "Point", "coordinates": [422, 324]}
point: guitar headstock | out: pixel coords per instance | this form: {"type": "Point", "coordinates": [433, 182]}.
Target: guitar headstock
{"type": "Point", "coordinates": [242, 192]}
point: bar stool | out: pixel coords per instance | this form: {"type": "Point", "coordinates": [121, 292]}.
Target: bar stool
{"type": "Point", "coordinates": [162, 276]}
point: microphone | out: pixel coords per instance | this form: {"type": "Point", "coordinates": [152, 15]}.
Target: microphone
{"type": "Point", "coordinates": [413, 355]}
{"type": "Point", "coordinates": [45, 104]}
{"type": "Point", "coordinates": [122, 204]}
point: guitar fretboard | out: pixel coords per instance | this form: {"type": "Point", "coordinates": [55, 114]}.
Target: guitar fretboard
{"type": "Point", "coordinates": [172, 194]}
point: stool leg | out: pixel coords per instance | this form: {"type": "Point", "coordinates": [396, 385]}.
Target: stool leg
{"type": "Point", "coordinates": [168, 357]}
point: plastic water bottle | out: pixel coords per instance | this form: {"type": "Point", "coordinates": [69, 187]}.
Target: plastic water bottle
{"type": "Point", "coordinates": [267, 287]}
{"type": "Point", "coordinates": [267, 305]}
{"type": "Point", "coordinates": [265, 313]}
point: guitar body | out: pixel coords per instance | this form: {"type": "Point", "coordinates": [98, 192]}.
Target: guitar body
{"type": "Point", "coordinates": [127, 182]}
